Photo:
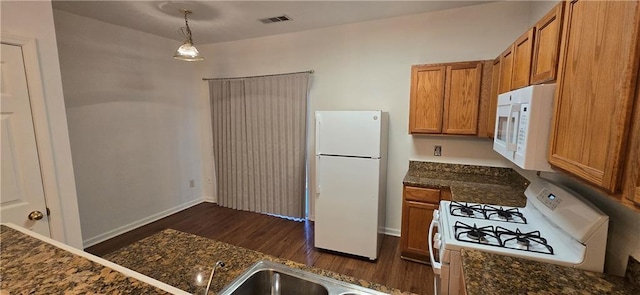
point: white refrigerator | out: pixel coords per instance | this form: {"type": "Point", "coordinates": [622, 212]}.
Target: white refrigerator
{"type": "Point", "coordinates": [350, 184]}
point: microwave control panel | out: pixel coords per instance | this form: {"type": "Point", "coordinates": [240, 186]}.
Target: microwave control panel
{"type": "Point", "coordinates": [522, 127]}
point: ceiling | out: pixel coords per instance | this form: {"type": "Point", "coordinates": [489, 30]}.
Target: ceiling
{"type": "Point", "coordinates": [220, 21]}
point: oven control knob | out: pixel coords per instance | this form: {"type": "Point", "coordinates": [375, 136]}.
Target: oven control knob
{"type": "Point", "coordinates": [436, 214]}
{"type": "Point", "coordinates": [437, 244]}
{"type": "Point", "coordinates": [437, 241]}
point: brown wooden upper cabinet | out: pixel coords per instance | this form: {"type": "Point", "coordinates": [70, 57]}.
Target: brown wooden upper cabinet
{"type": "Point", "coordinates": [462, 98]}
{"type": "Point", "coordinates": [445, 98]}
{"type": "Point", "coordinates": [631, 189]}
{"type": "Point", "coordinates": [546, 46]}
{"type": "Point", "coordinates": [522, 49]}
{"type": "Point", "coordinates": [427, 93]}
{"type": "Point", "coordinates": [506, 67]}
{"type": "Point", "coordinates": [493, 97]}
{"type": "Point", "coordinates": [597, 80]}
{"type": "Point", "coordinates": [636, 196]}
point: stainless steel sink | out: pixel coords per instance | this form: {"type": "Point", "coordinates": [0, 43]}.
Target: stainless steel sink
{"type": "Point", "coordinates": [267, 277]}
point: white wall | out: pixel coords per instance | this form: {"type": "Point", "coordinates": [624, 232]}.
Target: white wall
{"type": "Point", "coordinates": [35, 20]}
{"type": "Point", "coordinates": [133, 125]}
{"type": "Point", "coordinates": [539, 8]}
{"type": "Point", "coordinates": [367, 66]}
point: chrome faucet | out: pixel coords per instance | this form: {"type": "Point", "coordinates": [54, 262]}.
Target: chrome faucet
{"type": "Point", "coordinates": [213, 271]}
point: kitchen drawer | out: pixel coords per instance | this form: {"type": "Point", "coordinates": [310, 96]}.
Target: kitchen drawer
{"type": "Point", "coordinates": [419, 194]}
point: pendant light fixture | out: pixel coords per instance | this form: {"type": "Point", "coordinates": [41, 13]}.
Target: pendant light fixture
{"type": "Point", "coordinates": [187, 51]}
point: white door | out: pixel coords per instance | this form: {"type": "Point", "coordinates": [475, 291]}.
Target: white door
{"type": "Point", "coordinates": [346, 217]}
{"type": "Point", "coordinates": [21, 191]}
{"type": "Point", "coordinates": [349, 133]}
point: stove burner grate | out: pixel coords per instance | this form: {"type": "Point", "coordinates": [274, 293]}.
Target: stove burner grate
{"type": "Point", "coordinates": [526, 241]}
{"type": "Point", "coordinates": [523, 241]}
{"type": "Point", "coordinates": [488, 212]}
{"type": "Point", "coordinates": [465, 210]}
{"type": "Point", "coordinates": [510, 215]}
{"type": "Point", "coordinates": [474, 233]}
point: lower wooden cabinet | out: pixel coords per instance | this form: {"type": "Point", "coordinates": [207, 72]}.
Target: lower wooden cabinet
{"type": "Point", "coordinates": [416, 218]}
{"type": "Point", "coordinates": [417, 211]}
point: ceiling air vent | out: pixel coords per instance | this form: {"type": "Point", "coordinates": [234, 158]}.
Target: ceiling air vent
{"type": "Point", "coordinates": [275, 19]}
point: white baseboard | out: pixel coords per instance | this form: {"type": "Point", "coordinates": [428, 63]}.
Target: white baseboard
{"type": "Point", "coordinates": [210, 199]}
{"type": "Point", "coordinates": [392, 231]}
{"type": "Point", "coordinates": [138, 223]}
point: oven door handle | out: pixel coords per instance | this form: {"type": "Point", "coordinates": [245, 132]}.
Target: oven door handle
{"type": "Point", "coordinates": [437, 266]}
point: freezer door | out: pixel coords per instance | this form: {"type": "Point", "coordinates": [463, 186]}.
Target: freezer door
{"type": "Point", "coordinates": [348, 133]}
{"type": "Point", "coordinates": [347, 205]}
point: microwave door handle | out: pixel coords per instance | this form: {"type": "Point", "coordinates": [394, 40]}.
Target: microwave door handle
{"type": "Point", "coordinates": [507, 140]}
{"type": "Point", "coordinates": [511, 143]}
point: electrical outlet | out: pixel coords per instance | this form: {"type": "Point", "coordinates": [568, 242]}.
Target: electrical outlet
{"type": "Point", "coordinates": [437, 151]}
{"type": "Point", "coordinates": [192, 183]}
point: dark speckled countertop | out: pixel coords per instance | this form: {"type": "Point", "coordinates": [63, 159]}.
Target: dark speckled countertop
{"type": "Point", "coordinates": [487, 273]}
{"type": "Point", "coordinates": [31, 266]}
{"type": "Point", "coordinates": [470, 183]}
{"type": "Point", "coordinates": [171, 256]}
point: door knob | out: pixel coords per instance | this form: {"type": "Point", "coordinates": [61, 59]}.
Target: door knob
{"type": "Point", "coordinates": [35, 215]}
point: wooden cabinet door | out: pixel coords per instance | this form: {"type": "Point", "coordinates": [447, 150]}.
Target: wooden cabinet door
{"type": "Point", "coordinates": [636, 195]}
{"type": "Point", "coordinates": [493, 102]}
{"type": "Point", "coordinates": [522, 49]}
{"type": "Point", "coordinates": [462, 98]}
{"type": "Point", "coordinates": [597, 77]}
{"type": "Point", "coordinates": [506, 67]}
{"type": "Point", "coordinates": [416, 218]}
{"type": "Point", "coordinates": [546, 46]}
{"type": "Point", "coordinates": [631, 189]}
{"type": "Point", "coordinates": [426, 101]}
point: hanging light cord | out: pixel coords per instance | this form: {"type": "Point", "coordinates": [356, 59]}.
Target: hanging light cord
{"type": "Point", "coordinates": [186, 31]}
{"type": "Point", "coordinates": [186, 22]}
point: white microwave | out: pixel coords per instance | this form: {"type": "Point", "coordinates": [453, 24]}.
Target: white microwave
{"type": "Point", "coordinates": [522, 126]}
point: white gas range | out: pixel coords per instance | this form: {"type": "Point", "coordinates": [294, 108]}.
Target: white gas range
{"type": "Point", "coordinates": [556, 226]}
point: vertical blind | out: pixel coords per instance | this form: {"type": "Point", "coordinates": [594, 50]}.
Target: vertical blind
{"type": "Point", "coordinates": [259, 132]}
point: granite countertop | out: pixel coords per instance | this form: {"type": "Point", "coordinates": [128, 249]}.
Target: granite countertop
{"type": "Point", "coordinates": [487, 273]}
{"type": "Point", "coordinates": [470, 183]}
{"type": "Point", "coordinates": [32, 266]}
{"type": "Point", "coordinates": [172, 256]}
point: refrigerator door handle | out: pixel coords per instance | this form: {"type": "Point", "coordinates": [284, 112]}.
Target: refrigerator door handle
{"type": "Point", "coordinates": [318, 185]}
{"type": "Point", "coordinates": [317, 134]}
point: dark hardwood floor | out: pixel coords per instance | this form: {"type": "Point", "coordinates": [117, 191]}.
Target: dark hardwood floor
{"type": "Point", "coordinates": [285, 239]}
